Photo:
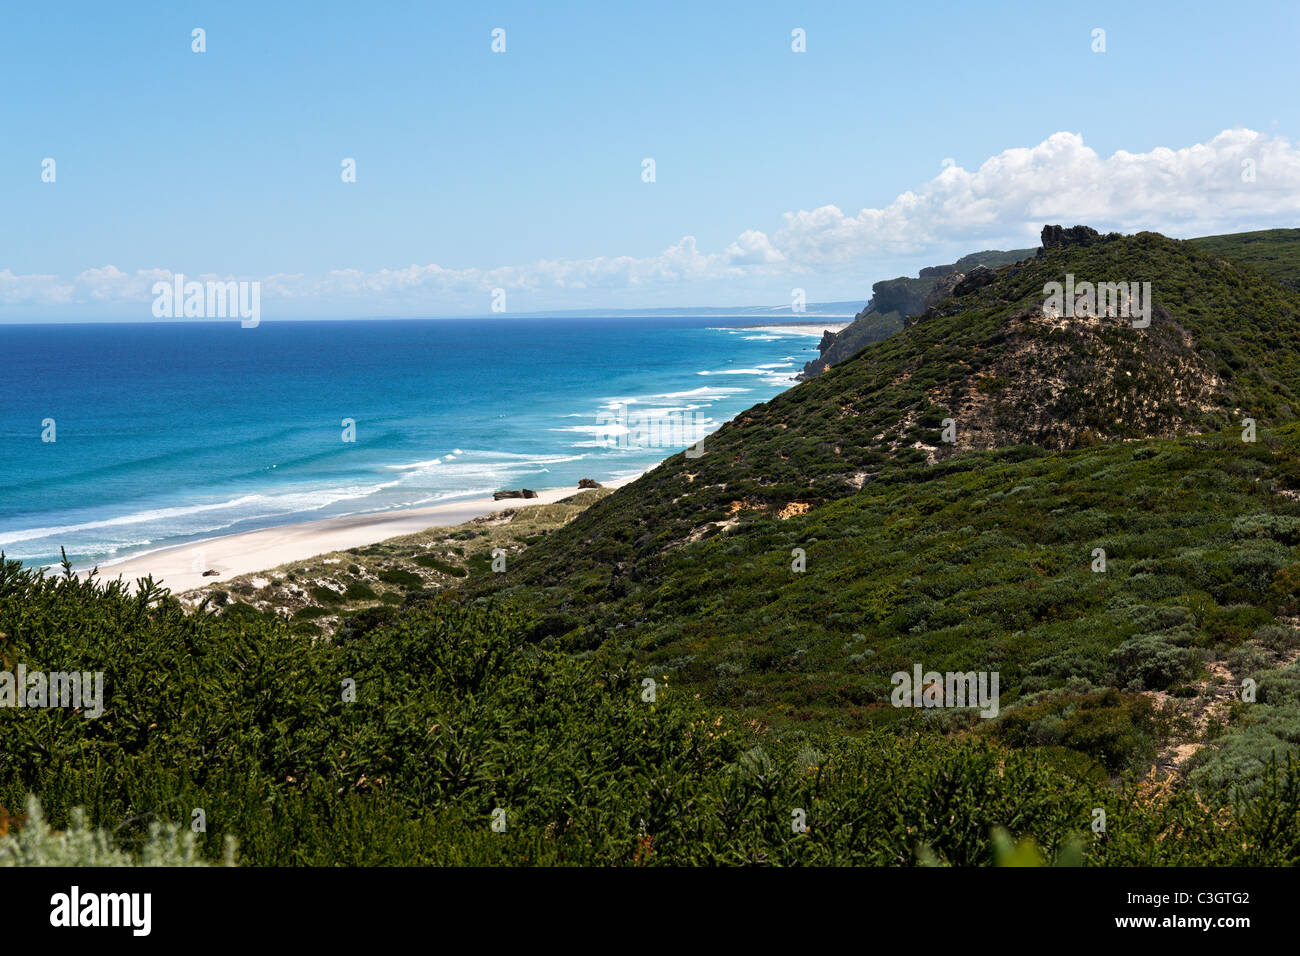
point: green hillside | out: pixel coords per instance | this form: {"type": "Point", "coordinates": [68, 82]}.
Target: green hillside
{"type": "Point", "coordinates": [983, 562]}
{"type": "Point", "coordinates": [1004, 373]}
{"type": "Point", "coordinates": [975, 555]}
{"type": "Point", "coordinates": [1275, 252]}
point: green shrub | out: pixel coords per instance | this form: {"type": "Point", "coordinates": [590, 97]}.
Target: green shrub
{"type": "Point", "coordinates": [359, 591]}
{"type": "Point", "coordinates": [35, 844]}
{"type": "Point", "coordinates": [443, 567]}
{"type": "Point", "coordinates": [402, 579]}
{"type": "Point", "coordinates": [325, 595]}
{"type": "Point", "coordinates": [1152, 662]}
{"type": "Point", "coordinates": [1117, 730]}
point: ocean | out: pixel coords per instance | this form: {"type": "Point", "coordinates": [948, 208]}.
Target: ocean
{"type": "Point", "coordinates": [166, 433]}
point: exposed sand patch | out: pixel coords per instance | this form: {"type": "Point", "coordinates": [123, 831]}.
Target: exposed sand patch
{"type": "Point", "coordinates": [182, 568]}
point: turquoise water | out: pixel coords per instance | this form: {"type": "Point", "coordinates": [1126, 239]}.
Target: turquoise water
{"type": "Point", "coordinates": [171, 432]}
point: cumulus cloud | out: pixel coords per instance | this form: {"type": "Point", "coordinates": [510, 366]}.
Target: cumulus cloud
{"type": "Point", "coordinates": [95, 285]}
{"type": "Point", "coordinates": [1240, 179]}
{"type": "Point", "coordinates": [50, 289]}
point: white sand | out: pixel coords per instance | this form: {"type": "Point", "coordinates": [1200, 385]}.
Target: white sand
{"type": "Point", "coordinates": [181, 568]}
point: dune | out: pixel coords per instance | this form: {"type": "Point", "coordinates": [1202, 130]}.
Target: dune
{"type": "Point", "coordinates": [182, 568]}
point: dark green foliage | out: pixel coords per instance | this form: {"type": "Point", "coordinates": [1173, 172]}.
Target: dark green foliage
{"type": "Point", "coordinates": [1275, 252]}
{"type": "Point", "coordinates": [1258, 734]}
{"type": "Point", "coordinates": [978, 562]}
{"type": "Point", "coordinates": [441, 566]}
{"type": "Point", "coordinates": [402, 579]}
{"type": "Point", "coordinates": [1118, 730]}
{"type": "Point", "coordinates": [364, 621]}
{"type": "Point", "coordinates": [1152, 662]}
{"type": "Point", "coordinates": [358, 591]}
{"type": "Point", "coordinates": [455, 717]}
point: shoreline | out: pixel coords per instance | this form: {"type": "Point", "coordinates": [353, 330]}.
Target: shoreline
{"type": "Point", "coordinates": [796, 328]}
{"type": "Point", "coordinates": [181, 567]}
{"type": "Point", "coordinates": [175, 542]}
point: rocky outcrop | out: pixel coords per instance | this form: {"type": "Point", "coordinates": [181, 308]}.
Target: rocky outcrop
{"type": "Point", "coordinates": [1058, 237]}
{"type": "Point", "coordinates": [1060, 383]}
{"type": "Point", "coordinates": [898, 303]}
{"type": "Point", "coordinates": [953, 286]}
{"type": "Point", "coordinates": [868, 326]}
{"type": "Point", "coordinates": [902, 295]}
{"type": "Point", "coordinates": [977, 278]}
{"type": "Point", "coordinates": [522, 493]}
{"type": "Point", "coordinates": [944, 289]}
{"type": "Point", "coordinates": [591, 483]}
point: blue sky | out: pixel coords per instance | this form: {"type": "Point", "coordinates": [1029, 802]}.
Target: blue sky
{"type": "Point", "coordinates": [522, 170]}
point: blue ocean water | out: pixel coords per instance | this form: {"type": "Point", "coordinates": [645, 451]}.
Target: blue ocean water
{"type": "Point", "coordinates": [170, 432]}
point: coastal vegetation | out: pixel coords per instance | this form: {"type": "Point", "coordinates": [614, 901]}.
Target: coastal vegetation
{"type": "Point", "coordinates": [319, 593]}
{"type": "Point", "coordinates": [699, 667]}
{"type": "Point", "coordinates": [467, 742]}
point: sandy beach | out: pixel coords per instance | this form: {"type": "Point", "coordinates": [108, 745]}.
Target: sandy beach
{"type": "Point", "coordinates": [181, 568]}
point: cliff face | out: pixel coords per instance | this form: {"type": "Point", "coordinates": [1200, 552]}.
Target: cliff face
{"type": "Point", "coordinates": [901, 295]}
{"type": "Point", "coordinates": [894, 303]}
{"type": "Point", "coordinates": [1058, 237]}
{"type": "Point", "coordinates": [892, 300]}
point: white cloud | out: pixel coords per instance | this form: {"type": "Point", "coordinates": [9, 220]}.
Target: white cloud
{"type": "Point", "coordinates": [1192, 191]}
{"type": "Point", "coordinates": [1195, 190]}
{"type": "Point", "coordinates": [50, 289]}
